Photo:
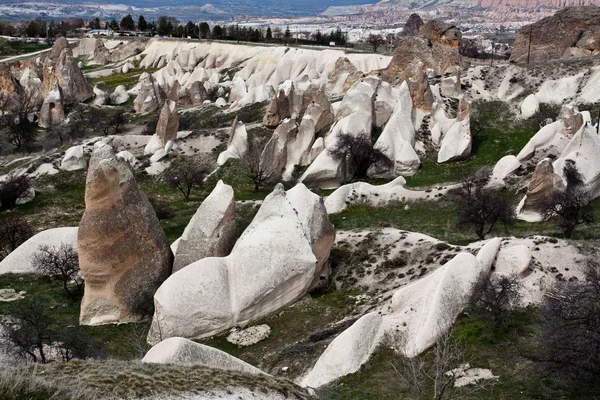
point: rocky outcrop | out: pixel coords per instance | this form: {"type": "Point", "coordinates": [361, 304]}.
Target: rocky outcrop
{"type": "Point", "coordinates": [343, 77]}
{"type": "Point", "coordinates": [280, 108]}
{"type": "Point", "coordinates": [168, 123]}
{"type": "Point", "coordinates": [197, 94]}
{"type": "Point", "coordinates": [237, 145]}
{"type": "Point", "coordinates": [20, 261]}
{"type": "Point", "coordinates": [119, 95]}
{"type": "Point", "coordinates": [181, 351]}
{"type": "Point", "coordinates": [52, 111]}
{"type": "Point", "coordinates": [275, 261]}
{"type": "Point", "coordinates": [211, 231]}
{"type": "Point", "coordinates": [530, 106]}
{"type": "Point", "coordinates": [123, 252]}
{"type": "Point", "coordinates": [456, 143]}
{"type": "Point", "coordinates": [61, 68]}
{"type": "Point", "coordinates": [553, 37]}
{"type": "Point", "coordinates": [540, 187]}
{"type": "Point", "coordinates": [413, 25]}
{"type": "Point", "coordinates": [150, 97]}
{"type": "Point", "coordinates": [436, 48]}
{"type": "Point", "coordinates": [398, 139]}
{"type": "Point", "coordinates": [74, 159]}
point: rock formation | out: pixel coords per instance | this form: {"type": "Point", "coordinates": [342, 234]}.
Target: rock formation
{"type": "Point", "coordinates": [237, 144]}
{"type": "Point", "coordinates": [150, 97]}
{"type": "Point", "coordinates": [413, 25]}
{"type": "Point", "coordinates": [52, 111]}
{"type": "Point", "coordinates": [540, 187]}
{"type": "Point", "coordinates": [119, 95]}
{"type": "Point", "coordinates": [168, 123]}
{"type": "Point", "coordinates": [61, 68]}
{"type": "Point", "coordinates": [554, 37]}
{"type": "Point", "coordinates": [20, 260]}
{"type": "Point", "coordinates": [398, 139]}
{"type": "Point", "coordinates": [74, 159]}
{"type": "Point", "coordinates": [211, 231]}
{"type": "Point", "coordinates": [456, 143]}
{"type": "Point", "coordinates": [276, 260]}
{"type": "Point", "coordinates": [123, 252]}
{"type": "Point", "coordinates": [181, 351]}
{"type": "Point", "coordinates": [279, 109]}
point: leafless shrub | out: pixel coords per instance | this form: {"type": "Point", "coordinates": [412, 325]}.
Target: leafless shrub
{"type": "Point", "coordinates": [494, 296]}
{"type": "Point", "coordinates": [359, 154]}
{"type": "Point", "coordinates": [61, 263]}
{"type": "Point", "coordinates": [185, 174]}
{"type": "Point", "coordinates": [14, 230]}
{"type": "Point", "coordinates": [251, 160]}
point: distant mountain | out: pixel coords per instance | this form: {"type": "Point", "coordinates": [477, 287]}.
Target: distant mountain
{"type": "Point", "coordinates": [183, 9]}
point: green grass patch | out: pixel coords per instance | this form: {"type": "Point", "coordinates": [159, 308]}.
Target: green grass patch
{"type": "Point", "coordinates": [112, 81]}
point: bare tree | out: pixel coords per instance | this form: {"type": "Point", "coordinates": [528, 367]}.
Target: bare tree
{"type": "Point", "coordinates": [251, 160]}
{"type": "Point", "coordinates": [480, 209]}
{"type": "Point", "coordinates": [60, 263]}
{"type": "Point", "coordinates": [14, 230]}
{"type": "Point", "coordinates": [15, 114]}
{"type": "Point", "coordinates": [376, 40]}
{"type": "Point", "coordinates": [359, 154]}
{"type": "Point", "coordinates": [34, 331]}
{"type": "Point", "coordinates": [185, 174]}
{"type": "Point", "coordinates": [117, 120]}
{"type": "Point", "coordinates": [567, 348]}
{"type": "Point", "coordinates": [494, 296]}
{"type": "Point", "coordinates": [572, 206]}
{"type": "Point", "coordinates": [432, 377]}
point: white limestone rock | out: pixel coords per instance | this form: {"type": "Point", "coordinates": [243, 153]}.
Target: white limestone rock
{"type": "Point", "coordinates": [20, 260]}
{"type": "Point", "coordinates": [456, 143]}
{"type": "Point", "coordinates": [505, 167]}
{"type": "Point", "coordinates": [237, 145]}
{"type": "Point", "coordinates": [211, 231]}
{"type": "Point", "coordinates": [119, 95]}
{"type": "Point", "coordinates": [249, 336]}
{"type": "Point", "coordinates": [397, 140]}
{"type": "Point", "coordinates": [530, 106]}
{"type": "Point", "coordinates": [74, 159]}
{"type": "Point", "coordinates": [153, 145]}
{"type": "Point", "coordinates": [584, 151]}
{"type": "Point", "coordinates": [127, 156]}
{"type": "Point", "coordinates": [181, 351]}
{"type": "Point", "coordinates": [347, 352]}
{"type": "Point", "coordinates": [272, 265]}
{"type": "Point", "coordinates": [514, 260]}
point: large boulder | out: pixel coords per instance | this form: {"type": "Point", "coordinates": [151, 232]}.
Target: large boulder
{"type": "Point", "coordinates": [168, 122]}
{"type": "Point", "coordinates": [530, 106]}
{"type": "Point", "coordinates": [123, 252]}
{"type": "Point", "coordinates": [181, 351]}
{"type": "Point", "coordinates": [552, 37]}
{"type": "Point", "coordinates": [119, 95]}
{"type": "Point", "coordinates": [273, 264]}
{"type": "Point", "coordinates": [211, 231]}
{"type": "Point", "coordinates": [74, 159]}
{"type": "Point", "coordinates": [197, 93]}
{"type": "Point", "coordinates": [151, 95]}
{"type": "Point", "coordinates": [52, 111]}
{"type": "Point", "coordinates": [413, 25]}
{"type": "Point", "coordinates": [20, 261]}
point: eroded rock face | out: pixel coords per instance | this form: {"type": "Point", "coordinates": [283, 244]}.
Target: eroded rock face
{"type": "Point", "coordinates": [123, 252]}
{"type": "Point", "coordinates": [456, 143]}
{"type": "Point", "coordinates": [553, 37]}
{"type": "Point", "coordinates": [413, 25]}
{"type": "Point", "coordinates": [197, 94]}
{"type": "Point", "coordinates": [150, 97]}
{"type": "Point", "coordinates": [52, 111]}
{"type": "Point", "coordinates": [540, 187]}
{"type": "Point", "coordinates": [64, 71]}
{"type": "Point", "coordinates": [168, 122]}
{"type": "Point", "coordinates": [571, 118]}
{"type": "Point", "coordinates": [278, 110]}
{"type": "Point", "coordinates": [211, 231]}
{"type": "Point", "coordinates": [275, 261]}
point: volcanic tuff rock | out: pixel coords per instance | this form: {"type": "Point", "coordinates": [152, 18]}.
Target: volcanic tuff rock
{"type": "Point", "coordinates": [211, 231]}
{"type": "Point", "coordinates": [168, 122]}
{"type": "Point", "coordinates": [123, 252]}
{"type": "Point", "coordinates": [552, 37]}
{"type": "Point", "coordinates": [413, 25]}
{"type": "Point", "coordinates": [540, 187]}
{"type": "Point", "coordinates": [181, 351]}
{"type": "Point", "coordinates": [52, 111]}
{"type": "Point", "coordinates": [275, 262]}
{"type": "Point", "coordinates": [150, 97]}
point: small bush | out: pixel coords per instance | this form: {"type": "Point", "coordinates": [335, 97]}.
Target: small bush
{"type": "Point", "coordinates": [12, 189]}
